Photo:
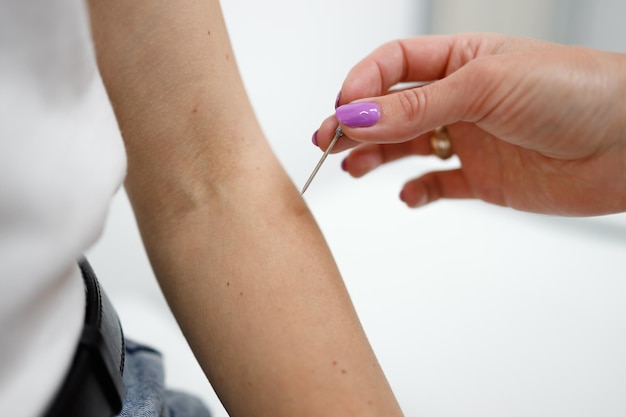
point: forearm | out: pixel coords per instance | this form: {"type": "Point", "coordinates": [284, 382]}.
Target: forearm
{"type": "Point", "coordinates": [236, 251]}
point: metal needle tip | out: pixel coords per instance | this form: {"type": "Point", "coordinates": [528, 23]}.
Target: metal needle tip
{"type": "Point", "coordinates": [338, 134]}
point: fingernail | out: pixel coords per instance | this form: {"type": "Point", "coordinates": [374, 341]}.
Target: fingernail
{"type": "Point", "coordinates": [358, 114]}
{"type": "Point", "coordinates": [343, 165]}
{"type": "Point", "coordinates": [314, 139]}
{"type": "Point", "coordinates": [337, 99]}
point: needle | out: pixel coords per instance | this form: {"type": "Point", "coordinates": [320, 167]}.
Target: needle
{"type": "Point", "coordinates": [338, 134]}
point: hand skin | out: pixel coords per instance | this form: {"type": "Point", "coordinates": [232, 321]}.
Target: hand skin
{"type": "Point", "coordinates": [238, 255]}
{"type": "Point", "coordinates": [537, 126]}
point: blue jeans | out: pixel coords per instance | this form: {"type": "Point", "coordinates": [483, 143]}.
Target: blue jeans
{"type": "Point", "coordinates": [146, 395]}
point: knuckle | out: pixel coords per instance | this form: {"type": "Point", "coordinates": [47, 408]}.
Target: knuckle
{"type": "Point", "coordinates": [412, 102]}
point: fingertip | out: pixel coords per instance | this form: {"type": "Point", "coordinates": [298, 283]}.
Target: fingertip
{"type": "Point", "coordinates": [348, 167]}
{"type": "Point", "coordinates": [414, 197]}
{"type": "Point", "coordinates": [362, 161]}
{"type": "Point", "coordinates": [326, 132]}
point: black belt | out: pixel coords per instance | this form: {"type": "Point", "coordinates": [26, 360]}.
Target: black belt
{"type": "Point", "coordinates": [93, 386]}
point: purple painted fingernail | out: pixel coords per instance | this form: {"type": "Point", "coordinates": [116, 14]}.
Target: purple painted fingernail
{"type": "Point", "coordinates": [358, 114]}
{"type": "Point", "coordinates": [314, 139]}
{"type": "Point", "coordinates": [337, 99]}
{"type": "Point", "coordinates": [344, 165]}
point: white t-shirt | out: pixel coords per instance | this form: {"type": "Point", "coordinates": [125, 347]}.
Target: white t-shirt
{"type": "Point", "coordinates": [61, 161]}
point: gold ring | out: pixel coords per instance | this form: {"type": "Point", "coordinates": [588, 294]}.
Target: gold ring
{"type": "Point", "coordinates": [440, 143]}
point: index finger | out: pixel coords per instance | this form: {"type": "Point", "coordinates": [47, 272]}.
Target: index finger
{"type": "Point", "coordinates": [419, 59]}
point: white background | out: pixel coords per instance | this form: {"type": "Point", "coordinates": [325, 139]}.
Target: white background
{"type": "Point", "coordinates": [473, 310]}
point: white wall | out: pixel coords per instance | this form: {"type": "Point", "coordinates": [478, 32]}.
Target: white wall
{"type": "Point", "coordinates": [596, 23]}
{"type": "Point", "coordinates": [473, 310]}
{"type": "Point", "coordinates": [543, 19]}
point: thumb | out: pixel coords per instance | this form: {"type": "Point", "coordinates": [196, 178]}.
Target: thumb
{"type": "Point", "coordinates": [403, 115]}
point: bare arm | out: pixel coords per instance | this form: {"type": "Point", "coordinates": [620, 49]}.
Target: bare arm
{"type": "Point", "coordinates": [236, 251]}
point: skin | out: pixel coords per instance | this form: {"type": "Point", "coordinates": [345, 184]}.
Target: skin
{"type": "Point", "coordinates": [236, 251]}
{"type": "Point", "coordinates": [536, 126]}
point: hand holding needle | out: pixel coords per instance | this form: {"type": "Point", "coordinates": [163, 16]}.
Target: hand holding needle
{"type": "Point", "coordinates": [338, 134]}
